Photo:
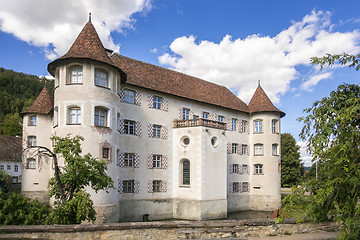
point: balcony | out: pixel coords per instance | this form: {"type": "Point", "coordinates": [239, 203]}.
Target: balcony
{"type": "Point", "coordinates": [199, 122]}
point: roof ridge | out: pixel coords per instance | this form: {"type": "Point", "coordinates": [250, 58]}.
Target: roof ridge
{"type": "Point", "coordinates": [260, 102]}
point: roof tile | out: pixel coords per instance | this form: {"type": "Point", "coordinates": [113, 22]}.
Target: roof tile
{"type": "Point", "coordinates": [43, 104]}
{"type": "Point", "coordinates": [260, 102]}
{"type": "Point", "coordinates": [10, 148]}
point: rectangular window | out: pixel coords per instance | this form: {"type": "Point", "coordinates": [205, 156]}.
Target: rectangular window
{"type": "Point", "coordinates": [129, 96]}
{"type": "Point", "coordinates": [106, 153]}
{"type": "Point", "coordinates": [195, 116]}
{"type": "Point", "coordinates": [128, 186]}
{"type": "Point", "coordinates": [16, 168]}
{"type": "Point", "coordinates": [205, 115]}
{"type": "Point", "coordinates": [244, 169]}
{"type": "Point", "coordinates": [220, 118]}
{"type": "Point", "coordinates": [156, 131]}
{"type": "Point", "coordinates": [234, 148]}
{"type": "Point", "coordinates": [258, 169]}
{"type": "Point", "coordinates": [258, 126]}
{"type": "Point", "coordinates": [233, 124]}
{"type": "Point", "coordinates": [243, 149]}
{"type": "Point", "coordinates": [235, 187]}
{"type": "Point", "coordinates": [31, 141]}
{"type": "Point", "coordinates": [2, 167]}
{"type": "Point", "coordinates": [157, 102]}
{"type": "Point", "coordinates": [156, 161]}
{"type": "Point", "coordinates": [32, 163]}
{"type": "Point", "coordinates": [129, 160]}
{"type": "Point", "coordinates": [235, 168]}
{"type": "Point", "coordinates": [186, 114]}
{"type": "Point", "coordinates": [258, 149]}
{"type": "Point", "coordinates": [274, 126]}
{"type": "Point", "coordinates": [32, 120]}
{"type": "Point", "coordinates": [274, 150]}
{"type": "Point", "coordinates": [76, 75]}
{"type": "Point", "coordinates": [100, 117]}
{"type": "Point", "coordinates": [15, 179]}
{"type": "Point", "coordinates": [75, 115]}
{"type": "Point", "coordinates": [245, 187]}
{"type": "Point", "coordinates": [156, 186]}
{"type": "Point", "coordinates": [8, 167]}
{"type": "Point", "coordinates": [101, 78]}
{"type": "Point", "coordinates": [129, 127]}
{"type": "Point", "coordinates": [243, 126]}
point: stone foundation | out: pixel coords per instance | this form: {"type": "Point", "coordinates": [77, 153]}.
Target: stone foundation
{"type": "Point", "coordinates": [265, 203]}
{"type": "Point", "coordinates": [200, 210]}
{"type": "Point", "coordinates": [41, 196]}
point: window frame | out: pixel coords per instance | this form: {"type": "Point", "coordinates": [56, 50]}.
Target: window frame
{"type": "Point", "coordinates": [31, 141]}
{"type": "Point", "coordinates": [2, 167]}
{"type": "Point", "coordinates": [101, 115]}
{"type": "Point", "coordinates": [243, 149]}
{"type": "Point", "coordinates": [31, 163]}
{"type": "Point", "coordinates": [157, 102]}
{"type": "Point", "coordinates": [220, 118]}
{"type": "Point", "coordinates": [128, 186]}
{"type": "Point", "coordinates": [205, 115]}
{"type": "Point", "coordinates": [156, 131]}
{"type": "Point", "coordinates": [99, 79]}
{"type": "Point", "coordinates": [129, 96]}
{"type": "Point", "coordinates": [235, 187]}
{"type": "Point", "coordinates": [156, 161]}
{"type": "Point", "coordinates": [16, 168]}
{"type": "Point", "coordinates": [245, 185]}
{"type": "Point", "coordinates": [274, 126]}
{"type": "Point", "coordinates": [258, 126]}
{"type": "Point", "coordinates": [186, 113]}
{"type": "Point", "coordinates": [244, 168]}
{"type": "Point", "coordinates": [234, 147]}
{"type": "Point", "coordinates": [78, 77]}
{"type": "Point", "coordinates": [235, 168]}
{"type": "Point", "coordinates": [274, 147]}
{"type": "Point", "coordinates": [185, 180]}
{"type": "Point", "coordinates": [105, 153]}
{"type": "Point", "coordinates": [233, 124]}
{"type": "Point", "coordinates": [32, 120]}
{"type": "Point", "coordinates": [258, 149]}
{"type": "Point", "coordinates": [258, 169]}
{"type": "Point", "coordinates": [243, 127]}
{"type": "Point", "coordinates": [128, 158]}
{"type": "Point", "coordinates": [77, 115]}
{"type": "Point", "coordinates": [156, 186]}
{"type": "Point", "coordinates": [129, 127]}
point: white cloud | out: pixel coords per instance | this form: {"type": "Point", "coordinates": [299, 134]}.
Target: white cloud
{"type": "Point", "coordinates": [239, 63]}
{"type": "Point", "coordinates": [305, 157]}
{"type": "Point", "coordinates": [54, 25]}
{"type": "Point", "coordinates": [313, 80]}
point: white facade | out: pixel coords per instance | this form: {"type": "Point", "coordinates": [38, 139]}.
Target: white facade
{"type": "Point", "coordinates": [165, 159]}
{"type": "Point", "coordinates": [13, 169]}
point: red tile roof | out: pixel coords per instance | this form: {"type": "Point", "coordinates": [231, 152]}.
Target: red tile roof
{"type": "Point", "coordinates": [260, 102]}
{"type": "Point", "coordinates": [10, 148]}
{"type": "Point", "coordinates": [164, 80]}
{"type": "Point", "coordinates": [43, 104]}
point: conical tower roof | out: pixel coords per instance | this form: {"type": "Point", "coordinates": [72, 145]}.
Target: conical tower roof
{"type": "Point", "coordinates": [260, 102]}
{"type": "Point", "coordinates": [43, 104]}
{"type": "Point", "coordinates": [86, 46]}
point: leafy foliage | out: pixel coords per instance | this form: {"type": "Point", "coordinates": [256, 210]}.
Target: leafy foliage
{"type": "Point", "coordinates": [16, 209]}
{"type": "Point", "coordinates": [78, 173]}
{"type": "Point", "coordinates": [342, 59]}
{"type": "Point", "coordinates": [290, 161]}
{"type": "Point", "coordinates": [332, 131]}
{"type": "Point", "coordinates": [17, 92]}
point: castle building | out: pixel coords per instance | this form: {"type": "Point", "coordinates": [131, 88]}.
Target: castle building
{"type": "Point", "coordinates": [176, 146]}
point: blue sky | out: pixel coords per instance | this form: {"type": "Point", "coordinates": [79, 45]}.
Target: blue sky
{"type": "Point", "coordinates": [230, 42]}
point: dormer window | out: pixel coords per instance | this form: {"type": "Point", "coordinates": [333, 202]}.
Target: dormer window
{"type": "Point", "coordinates": [101, 78]}
{"type": "Point", "coordinates": [76, 75]}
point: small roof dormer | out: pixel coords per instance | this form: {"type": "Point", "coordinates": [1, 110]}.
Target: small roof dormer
{"type": "Point", "coordinates": [260, 102]}
{"type": "Point", "coordinates": [43, 104]}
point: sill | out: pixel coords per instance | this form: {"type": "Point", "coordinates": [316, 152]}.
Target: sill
{"type": "Point", "coordinates": [129, 103]}
{"type": "Point", "coordinates": [184, 186]}
{"type": "Point", "coordinates": [258, 155]}
{"type": "Point", "coordinates": [31, 125]}
{"type": "Point", "coordinates": [73, 83]}
{"type": "Point", "coordinates": [258, 132]}
{"type": "Point", "coordinates": [275, 133]}
{"type": "Point", "coordinates": [73, 124]}
{"type": "Point", "coordinates": [103, 87]}
{"type": "Point", "coordinates": [55, 126]}
{"type": "Point", "coordinates": [258, 174]}
{"type": "Point", "coordinates": [276, 155]}
{"type": "Point", "coordinates": [98, 126]}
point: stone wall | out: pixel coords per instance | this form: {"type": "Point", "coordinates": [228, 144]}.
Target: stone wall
{"type": "Point", "coordinates": [240, 229]}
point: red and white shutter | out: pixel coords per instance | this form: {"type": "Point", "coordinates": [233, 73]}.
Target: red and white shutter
{"type": "Point", "coordinates": [136, 160]}
{"type": "Point", "coordinates": [122, 126]}
{"type": "Point", "coordinates": [150, 161]}
{"type": "Point", "coordinates": [228, 123]}
{"type": "Point", "coordinates": [138, 128]}
{"type": "Point", "coordinates": [230, 168]}
{"type": "Point", "coordinates": [138, 98]}
{"type": "Point", "coordinates": [248, 170]}
{"type": "Point", "coordinates": [248, 127]}
{"type": "Point", "coordinates": [240, 187]}
{"type": "Point", "coordinates": [240, 169]}
{"type": "Point", "coordinates": [150, 186]}
{"type": "Point", "coordinates": [164, 161]}
{"type": "Point", "coordinates": [228, 149]}
{"type": "Point", "coordinates": [248, 187]}
{"type": "Point", "coordinates": [136, 186]}
{"type": "Point", "coordinates": [163, 186]}
{"type": "Point", "coordinates": [120, 187]}
{"type": "Point", "coordinates": [122, 159]}
{"type": "Point", "coordinates": [247, 150]}
{"type": "Point", "coordinates": [231, 187]}
{"type": "Point", "coordinates": [150, 130]}
{"type": "Point", "coordinates": [165, 104]}
{"type": "Point", "coordinates": [240, 126]}
{"type": "Point", "coordinates": [191, 114]}
{"type": "Point", "coordinates": [164, 132]}
{"type": "Point", "coordinates": [151, 101]}
{"type": "Point", "coordinates": [181, 114]}
{"type": "Point", "coordinates": [122, 95]}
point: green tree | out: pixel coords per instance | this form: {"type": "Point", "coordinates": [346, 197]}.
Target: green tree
{"type": "Point", "coordinates": [72, 203]}
{"type": "Point", "coordinates": [12, 125]}
{"type": "Point", "coordinates": [343, 59]}
{"type": "Point", "coordinates": [290, 161]}
{"type": "Point", "coordinates": [333, 134]}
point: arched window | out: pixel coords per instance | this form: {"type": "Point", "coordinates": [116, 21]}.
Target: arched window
{"type": "Point", "coordinates": [275, 150]}
{"type": "Point", "coordinates": [101, 78]}
{"type": "Point", "coordinates": [31, 163]}
{"type": "Point", "coordinates": [185, 172]}
{"type": "Point", "coordinates": [76, 73]}
{"type": "Point", "coordinates": [101, 116]}
{"type": "Point", "coordinates": [74, 115]}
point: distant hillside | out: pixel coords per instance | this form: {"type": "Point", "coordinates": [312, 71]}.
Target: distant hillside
{"type": "Point", "coordinates": [17, 92]}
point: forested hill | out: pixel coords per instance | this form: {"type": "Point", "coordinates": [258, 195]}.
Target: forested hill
{"type": "Point", "coordinates": [17, 92]}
